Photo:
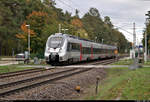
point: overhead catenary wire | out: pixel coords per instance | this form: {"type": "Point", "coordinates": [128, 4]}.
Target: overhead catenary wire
{"type": "Point", "coordinates": [64, 3]}
{"type": "Point", "coordinates": [68, 5]}
{"type": "Point", "coordinates": [127, 36]}
{"type": "Point", "coordinates": [81, 9]}
{"type": "Point", "coordinates": [124, 30]}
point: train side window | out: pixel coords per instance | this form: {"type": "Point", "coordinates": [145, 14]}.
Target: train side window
{"type": "Point", "coordinates": [78, 47]}
{"type": "Point", "coordinates": [86, 50]}
{"type": "Point", "coordinates": [83, 50]}
{"type": "Point", "coordinates": [103, 51]}
{"type": "Point", "coordinates": [69, 46]}
{"type": "Point", "coordinates": [100, 51]}
{"type": "Point", "coordinates": [89, 50]}
{"type": "Point", "coordinates": [75, 46]}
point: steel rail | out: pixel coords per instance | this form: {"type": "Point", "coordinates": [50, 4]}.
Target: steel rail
{"type": "Point", "coordinates": [32, 85]}
{"type": "Point", "coordinates": [32, 79]}
{"type": "Point", "coordinates": [5, 93]}
{"type": "Point", "coordinates": [28, 71]}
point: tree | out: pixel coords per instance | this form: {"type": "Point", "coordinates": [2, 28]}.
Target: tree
{"type": "Point", "coordinates": [108, 22]}
{"type": "Point", "coordinates": [10, 20]}
{"type": "Point", "coordinates": [44, 19]}
{"type": "Point", "coordinates": [77, 13]}
{"type": "Point", "coordinates": [67, 17]}
{"type": "Point", "coordinates": [147, 30]}
{"type": "Point", "coordinates": [94, 12]}
{"type": "Point", "coordinates": [37, 21]}
{"type": "Point", "coordinates": [96, 27]}
{"type": "Point", "coordinates": [77, 23]}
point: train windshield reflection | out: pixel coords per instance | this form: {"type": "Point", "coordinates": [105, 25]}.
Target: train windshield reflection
{"type": "Point", "coordinates": [55, 42]}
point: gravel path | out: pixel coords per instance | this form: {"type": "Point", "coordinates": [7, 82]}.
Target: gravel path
{"type": "Point", "coordinates": [61, 90]}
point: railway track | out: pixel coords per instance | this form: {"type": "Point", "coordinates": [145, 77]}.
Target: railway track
{"type": "Point", "coordinates": [98, 61]}
{"type": "Point", "coordinates": [9, 88]}
{"type": "Point", "coordinates": [17, 86]}
{"type": "Point", "coordinates": [28, 71]}
{"type": "Point", "coordinates": [106, 61]}
{"type": "Point", "coordinates": [23, 72]}
{"type": "Point", "coordinates": [103, 62]}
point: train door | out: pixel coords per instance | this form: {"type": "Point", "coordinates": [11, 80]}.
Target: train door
{"type": "Point", "coordinates": [80, 51]}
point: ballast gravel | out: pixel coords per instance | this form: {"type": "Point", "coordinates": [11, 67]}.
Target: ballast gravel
{"type": "Point", "coordinates": [29, 75]}
{"type": "Point", "coordinates": [63, 89]}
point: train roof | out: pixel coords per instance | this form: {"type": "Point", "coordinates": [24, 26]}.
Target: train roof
{"type": "Point", "coordinates": [74, 37]}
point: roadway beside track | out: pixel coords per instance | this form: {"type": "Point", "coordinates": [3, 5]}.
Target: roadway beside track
{"type": "Point", "coordinates": [77, 66]}
{"type": "Point", "coordinates": [6, 63]}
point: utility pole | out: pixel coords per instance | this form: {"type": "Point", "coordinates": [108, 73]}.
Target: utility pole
{"type": "Point", "coordinates": [134, 39]}
{"type": "Point", "coordinates": [135, 60]}
{"type": "Point", "coordinates": [145, 46]}
{"type": "Point", "coordinates": [95, 39]}
{"type": "Point", "coordinates": [64, 30]}
{"type": "Point", "coordinates": [147, 21]}
{"type": "Point", "coordinates": [59, 28]}
{"type": "Point", "coordinates": [28, 40]}
{"type": "Point", "coordinates": [102, 41]}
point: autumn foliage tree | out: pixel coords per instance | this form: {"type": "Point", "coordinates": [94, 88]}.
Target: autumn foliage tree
{"type": "Point", "coordinates": [24, 35]}
{"type": "Point", "coordinates": [37, 22]}
{"type": "Point", "coordinates": [78, 26]}
{"type": "Point", "coordinates": [44, 18]}
{"type": "Point", "coordinates": [77, 23]}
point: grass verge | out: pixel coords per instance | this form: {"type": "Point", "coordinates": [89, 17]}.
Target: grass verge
{"type": "Point", "coordinates": [123, 62]}
{"type": "Point", "coordinates": [147, 63]}
{"type": "Point", "coordinates": [12, 68]}
{"type": "Point", "coordinates": [123, 84]}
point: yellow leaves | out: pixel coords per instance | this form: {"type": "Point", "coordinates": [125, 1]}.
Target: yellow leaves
{"type": "Point", "coordinates": [28, 49]}
{"type": "Point", "coordinates": [79, 27]}
{"type": "Point", "coordinates": [76, 22]}
{"type": "Point", "coordinates": [34, 13]}
{"type": "Point", "coordinates": [82, 33]}
{"type": "Point", "coordinates": [20, 36]}
{"type": "Point", "coordinates": [26, 30]}
{"type": "Point", "coordinates": [33, 23]}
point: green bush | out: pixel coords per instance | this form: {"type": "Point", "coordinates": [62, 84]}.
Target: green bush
{"type": "Point", "coordinates": [39, 55]}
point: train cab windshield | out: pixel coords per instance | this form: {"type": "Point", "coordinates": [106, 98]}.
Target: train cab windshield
{"type": "Point", "coordinates": [55, 42]}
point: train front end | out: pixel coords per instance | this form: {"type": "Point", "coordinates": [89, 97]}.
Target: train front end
{"type": "Point", "coordinates": [55, 49]}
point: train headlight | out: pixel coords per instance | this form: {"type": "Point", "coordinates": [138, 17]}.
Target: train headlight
{"type": "Point", "coordinates": [48, 50]}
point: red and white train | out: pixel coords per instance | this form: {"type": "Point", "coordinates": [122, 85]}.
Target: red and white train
{"type": "Point", "coordinates": [67, 48]}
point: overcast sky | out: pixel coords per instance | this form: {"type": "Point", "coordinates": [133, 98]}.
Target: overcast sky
{"type": "Point", "coordinates": [122, 12]}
